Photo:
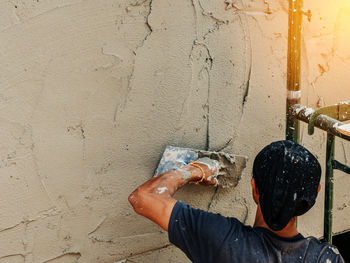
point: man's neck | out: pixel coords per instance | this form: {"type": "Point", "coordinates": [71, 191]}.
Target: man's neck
{"type": "Point", "coordinates": [289, 231]}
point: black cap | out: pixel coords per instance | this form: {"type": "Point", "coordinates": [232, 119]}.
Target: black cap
{"type": "Point", "coordinates": [287, 176]}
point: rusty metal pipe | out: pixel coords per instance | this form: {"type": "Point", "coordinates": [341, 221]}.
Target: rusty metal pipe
{"type": "Point", "coordinates": [293, 67]}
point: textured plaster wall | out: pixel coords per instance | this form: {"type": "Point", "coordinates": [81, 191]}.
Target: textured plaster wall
{"type": "Point", "coordinates": [92, 91]}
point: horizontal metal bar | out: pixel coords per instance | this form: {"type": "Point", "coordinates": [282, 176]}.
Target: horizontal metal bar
{"type": "Point", "coordinates": [340, 166]}
{"type": "Point", "coordinates": [340, 112]}
{"type": "Point", "coordinates": [322, 122]}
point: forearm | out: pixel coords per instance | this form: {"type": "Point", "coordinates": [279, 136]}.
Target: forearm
{"type": "Point", "coordinates": [154, 199]}
{"type": "Point", "coordinates": [167, 184]}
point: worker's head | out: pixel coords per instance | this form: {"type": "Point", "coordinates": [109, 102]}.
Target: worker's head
{"type": "Point", "coordinates": [287, 178]}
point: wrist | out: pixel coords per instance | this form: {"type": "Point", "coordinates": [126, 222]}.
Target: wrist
{"type": "Point", "coordinates": [190, 173]}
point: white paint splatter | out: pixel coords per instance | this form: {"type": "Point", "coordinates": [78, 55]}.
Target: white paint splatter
{"type": "Point", "coordinates": [299, 109]}
{"type": "Point", "coordinates": [344, 128]}
{"type": "Point", "coordinates": [161, 190]}
{"type": "Point", "coordinates": [335, 250]}
{"type": "Point", "coordinates": [308, 112]}
{"type": "Point", "coordinates": [181, 162]}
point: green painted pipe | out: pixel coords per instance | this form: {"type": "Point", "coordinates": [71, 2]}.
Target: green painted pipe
{"type": "Point", "coordinates": [342, 167]}
{"type": "Point", "coordinates": [329, 185]}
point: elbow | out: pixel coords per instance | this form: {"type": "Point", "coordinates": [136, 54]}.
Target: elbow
{"type": "Point", "coordinates": [135, 199]}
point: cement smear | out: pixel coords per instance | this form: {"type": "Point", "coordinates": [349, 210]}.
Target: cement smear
{"type": "Point", "coordinates": [231, 167]}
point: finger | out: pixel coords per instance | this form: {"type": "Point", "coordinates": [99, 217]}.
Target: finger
{"type": "Point", "coordinates": [214, 182]}
{"type": "Point", "coordinates": [210, 181]}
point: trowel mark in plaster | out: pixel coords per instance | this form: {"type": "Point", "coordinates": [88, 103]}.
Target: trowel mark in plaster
{"type": "Point", "coordinates": [208, 62]}
{"type": "Point", "coordinates": [246, 83]}
{"type": "Point", "coordinates": [248, 48]}
{"type": "Point", "coordinates": [207, 144]}
{"type": "Point", "coordinates": [142, 252]}
{"type": "Point", "coordinates": [210, 13]}
{"type": "Point", "coordinates": [138, 2]}
{"type": "Point", "coordinates": [248, 52]}
{"type": "Point", "coordinates": [13, 256]}
{"type": "Point", "coordinates": [98, 225]}
{"type": "Point", "coordinates": [34, 11]}
{"type": "Point", "coordinates": [207, 66]}
{"type": "Point", "coordinates": [120, 106]}
{"type": "Point", "coordinates": [28, 129]}
{"type": "Point", "coordinates": [74, 255]}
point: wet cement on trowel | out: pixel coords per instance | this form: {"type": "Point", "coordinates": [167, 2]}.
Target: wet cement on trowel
{"type": "Point", "coordinates": [231, 167]}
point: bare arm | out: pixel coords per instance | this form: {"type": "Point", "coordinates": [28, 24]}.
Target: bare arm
{"type": "Point", "coordinates": [154, 199]}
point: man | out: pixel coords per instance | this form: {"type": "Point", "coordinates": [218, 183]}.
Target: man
{"type": "Point", "coordinates": [285, 184]}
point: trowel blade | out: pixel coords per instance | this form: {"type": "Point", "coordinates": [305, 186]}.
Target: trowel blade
{"type": "Point", "coordinates": [231, 170]}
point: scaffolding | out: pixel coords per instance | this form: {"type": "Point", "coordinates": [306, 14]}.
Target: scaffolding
{"type": "Point", "coordinates": [329, 119]}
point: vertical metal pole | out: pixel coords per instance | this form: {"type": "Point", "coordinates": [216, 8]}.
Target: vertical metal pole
{"type": "Point", "coordinates": [293, 66]}
{"type": "Point", "coordinates": [328, 200]}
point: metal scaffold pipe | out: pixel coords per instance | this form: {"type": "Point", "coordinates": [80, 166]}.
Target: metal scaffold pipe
{"type": "Point", "coordinates": [323, 122]}
{"type": "Point", "coordinates": [330, 120]}
{"type": "Point", "coordinates": [329, 188]}
{"type": "Point", "coordinates": [293, 66]}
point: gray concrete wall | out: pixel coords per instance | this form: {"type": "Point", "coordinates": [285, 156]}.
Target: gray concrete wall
{"type": "Point", "coordinates": [92, 91]}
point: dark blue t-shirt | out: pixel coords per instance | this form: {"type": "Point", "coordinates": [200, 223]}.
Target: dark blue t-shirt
{"type": "Point", "coordinates": [207, 237]}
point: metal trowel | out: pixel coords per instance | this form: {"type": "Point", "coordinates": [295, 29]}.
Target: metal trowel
{"type": "Point", "coordinates": [231, 166]}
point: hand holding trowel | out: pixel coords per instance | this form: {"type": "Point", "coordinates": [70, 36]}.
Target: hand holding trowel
{"type": "Point", "coordinates": [223, 169]}
{"type": "Point", "coordinates": [177, 167]}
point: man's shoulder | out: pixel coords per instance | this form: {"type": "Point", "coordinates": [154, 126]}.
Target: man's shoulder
{"type": "Point", "coordinates": [325, 252]}
{"type": "Point", "coordinates": [331, 254]}
{"type": "Point", "coordinates": [309, 249]}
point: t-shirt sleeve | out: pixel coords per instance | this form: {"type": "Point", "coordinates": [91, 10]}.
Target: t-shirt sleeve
{"type": "Point", "coordinates": [199, 234]}
{"type": "Point", "coordinates": [340, 259]}
{"type": "Point", "coordinates": [331, 255]}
